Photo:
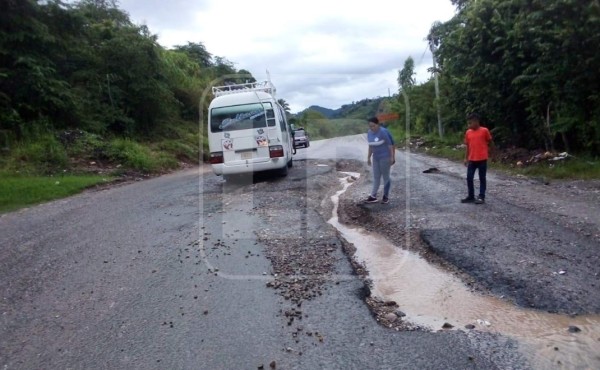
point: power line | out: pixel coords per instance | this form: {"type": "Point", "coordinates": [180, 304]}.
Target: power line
{"type": "Point", "coordinates": [423, 56]}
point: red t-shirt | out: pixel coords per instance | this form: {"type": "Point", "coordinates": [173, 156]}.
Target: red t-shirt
{"type": "Point", "coordinates": [477, 142]}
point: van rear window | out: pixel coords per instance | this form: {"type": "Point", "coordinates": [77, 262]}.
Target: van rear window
{"type": "Point", "coordinates": [241, 117]}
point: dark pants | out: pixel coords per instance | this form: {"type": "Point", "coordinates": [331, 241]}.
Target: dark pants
{"type": "Point", "coordinates": [471, 167]}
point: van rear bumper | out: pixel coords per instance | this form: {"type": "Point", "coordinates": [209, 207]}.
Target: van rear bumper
{"type": "Point", "coordinates": [237, 167]}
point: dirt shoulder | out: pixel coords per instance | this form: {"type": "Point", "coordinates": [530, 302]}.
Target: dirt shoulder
{"type": "Point", "coordinates": [535, 244]}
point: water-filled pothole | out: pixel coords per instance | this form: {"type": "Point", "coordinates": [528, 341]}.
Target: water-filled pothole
{"type": "Point", "coordinates": [430, 297]}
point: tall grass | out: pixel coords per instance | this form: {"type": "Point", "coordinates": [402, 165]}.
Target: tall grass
{"type": "Point", "coordinates": [131, 154]}
{"type": "Point", "coordinates": [573, 168]}
{"type": "Point", "coordinates": [43, 155]}
{"type": "Point", "coordinates": [137, 156]}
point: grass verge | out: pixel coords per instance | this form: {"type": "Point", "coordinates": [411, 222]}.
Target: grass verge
{"type": "Point", "coordinates": [56, 164]}
{"type": "Point", "coordinates": [572, 168]}
{"type": "Point", "coordinates": [21, 191]}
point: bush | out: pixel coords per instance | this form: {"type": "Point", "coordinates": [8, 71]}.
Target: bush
{"type": "Point", "coordinates": [586, 168]}
{"type": "Point", "coordinates": [82, 144]}
{"type": "Point", "coordinates": [131, 154]}
{"type": "Point", "coordinates": [181, 150]}
{"type": "Point", "coordinates": [44, 155]}
{"type": "Point", "coordinates": [166, 161]}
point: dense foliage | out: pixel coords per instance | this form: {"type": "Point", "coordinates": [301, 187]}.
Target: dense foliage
{"type": "Point", "coordinates": [85, 66]}
{"type": "Point", "coordinates": [530, 67]}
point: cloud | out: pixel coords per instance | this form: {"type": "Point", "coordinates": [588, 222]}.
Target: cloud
{"type": "Point", "coordinates": [318, 52]}
{"type": "Point", "coordinates": [333, 91]}
{"type": "Point", "coordinates": [161, 14]}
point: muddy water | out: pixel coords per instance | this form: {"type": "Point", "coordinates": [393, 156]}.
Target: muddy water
{"type": "Point", "coordinates": [431, 296]}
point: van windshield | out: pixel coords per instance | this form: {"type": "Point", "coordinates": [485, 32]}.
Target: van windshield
{"type": "Point", "coordinates": [240, 117]}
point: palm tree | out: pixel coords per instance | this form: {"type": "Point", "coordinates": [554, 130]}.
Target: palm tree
{"type": "Point", "coordinates": [284, 105]}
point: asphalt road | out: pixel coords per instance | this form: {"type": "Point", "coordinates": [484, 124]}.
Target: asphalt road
{"type": "Point", "coordinates": [533, 248]}
{"type": "Point", "coordinates": [517, 243]}
{"type": "Point", "coordinates": [172, 273]}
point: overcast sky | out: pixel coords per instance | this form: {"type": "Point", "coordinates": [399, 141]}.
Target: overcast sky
{"type": "Point", "coordinates": [318, 52]}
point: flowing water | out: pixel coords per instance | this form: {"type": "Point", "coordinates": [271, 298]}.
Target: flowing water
{"type": "Point", "coordinates": [430, 297]}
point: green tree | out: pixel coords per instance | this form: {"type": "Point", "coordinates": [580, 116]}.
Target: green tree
{"type": "Point", "coordinates": [187, 80]}
{"type": "Point", "coordinates": [406, 80]}
{"type": "Point", "coordinates": [246, 76]}
{"type": "Point", "coordinates": [528, 66]}
{"type": "Point", "coordinates": [197, 52]}
{"type": "Point", "coordinates": [406, 76]}
{"type": "Point", "coordinates": [30, 85]}
{"type": "Point", "coordinates": [223, 68]}
{"type": "Point", "coordinates": [127, 65]}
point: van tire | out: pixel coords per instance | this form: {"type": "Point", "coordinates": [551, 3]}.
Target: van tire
{"type": "Point", "coordinates": [283, 171]}
{"type": "Point", "coordinates": [290, 163]}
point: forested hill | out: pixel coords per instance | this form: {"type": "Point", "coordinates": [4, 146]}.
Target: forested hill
{"type": "Point", "coordinates": [362, 109]}
{"type": "Point", "coordinates": [365, 108]}
{"type": "Point", "coordinates": [81, 79]}
{"type": "Point", "coordinates": [326, 112]}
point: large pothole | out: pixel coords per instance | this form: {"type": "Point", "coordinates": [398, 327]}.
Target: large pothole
{"type": "Point", "coordinates": [432, 297]}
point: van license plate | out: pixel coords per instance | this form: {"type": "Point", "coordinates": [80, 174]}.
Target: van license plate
{"type": "Point", "coordinates": [246, 155]}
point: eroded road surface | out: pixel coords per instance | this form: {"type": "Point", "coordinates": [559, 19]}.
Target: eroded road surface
{"type": "Point", "coordinates": [188, 271]}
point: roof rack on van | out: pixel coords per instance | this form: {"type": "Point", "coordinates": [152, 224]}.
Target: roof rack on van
{"type": "Point", "coordinates": [265, 86]}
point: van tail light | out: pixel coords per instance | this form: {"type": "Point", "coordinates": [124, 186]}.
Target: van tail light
{"type": "Point", "coordinates": [276, 151]}
{"type": "Point", "coordinates": [216, 158]}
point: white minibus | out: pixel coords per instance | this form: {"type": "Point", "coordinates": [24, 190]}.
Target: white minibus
{"type": "Point", "coordinates": [248, 130]}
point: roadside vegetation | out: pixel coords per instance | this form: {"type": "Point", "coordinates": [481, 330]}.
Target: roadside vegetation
{"type": "Point", "coordinates": [539, 164]}
{"type": "Point", "coordinates": [529, 67]}
{"type": "Point", "coordinates": [84, 91]}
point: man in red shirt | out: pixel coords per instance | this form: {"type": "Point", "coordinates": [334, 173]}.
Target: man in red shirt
{"type": "Point", "coordinates": [477, 140]}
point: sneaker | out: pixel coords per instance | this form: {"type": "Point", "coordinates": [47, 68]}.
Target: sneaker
{"type": "Point", "coordinates": [479, 200]}
{"type": "Point", "coordinates": [371, 199]}
{"type": "Point", "coordinates": [385, 200]}
{"type": "Point", "coordinates": [468, 200]}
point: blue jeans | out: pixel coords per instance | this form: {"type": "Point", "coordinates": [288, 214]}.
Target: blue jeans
{"type": "Point", "coordinates": [381, 168]}
{"type": "Point", "coordinates": [482, 167]}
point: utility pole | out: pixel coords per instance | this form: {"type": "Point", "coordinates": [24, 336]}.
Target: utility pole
{"type": "Point", "coordinates": [437, 91]}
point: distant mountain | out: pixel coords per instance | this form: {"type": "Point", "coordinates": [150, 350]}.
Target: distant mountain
{"type": "Point", "coordinates": [329, 113]}
{"type": "Point", "coordinates": [362, 109]}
